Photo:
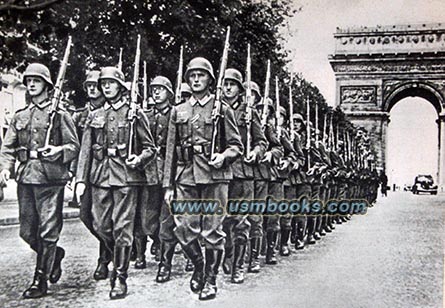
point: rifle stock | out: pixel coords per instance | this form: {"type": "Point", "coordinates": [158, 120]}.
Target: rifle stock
{"type": "Point", "coordinates": [132, 114]}
{"type": "Point", "coordinates": [249, 101]}
{"type": "Point", "coordinates": [265, 112]}
{"type": "Point", "coordinates": [291, 112]}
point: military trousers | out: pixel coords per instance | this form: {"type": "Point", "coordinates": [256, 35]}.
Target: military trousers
{"type": "Point", "coordinates": [237, 227]}
{"type": "Point", "coordinates": [40, 213]}
{"type": "Point", "coordinates": [113, 210]}
{"type": "Point", "coordinates": [208, 227]}
{"type": "Point", "coordinates": [260, 192]}
{"type": "Point", "coordinates": [289, 194]}
{"type": "Point", "coordinates": [300, 221]}
{"type": "Point", "coordinates": [271, 223]}
{"type": "Point", "coordinates": [148, 210]}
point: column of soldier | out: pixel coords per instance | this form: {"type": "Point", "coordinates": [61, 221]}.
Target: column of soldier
{"type": "Point", "coordinates": [184, 144]}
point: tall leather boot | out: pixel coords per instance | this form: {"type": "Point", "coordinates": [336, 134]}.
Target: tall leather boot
{"type": "Point", "coordinates": [254, 259]}
{"type": "Point", "coordinates": [294, 232]}
{"type": "Point", "coordinates": [284, 248]}
{"type": "Point", "coordinates": [193, 251]}
{"type": "Point", "coordinates": [155, 248]}
{"type": "Point", "coordinates": [271, 257]}
{"type": "Point", "coordinates": [141, 247]}
{"type": "Point", "coordinates": [119, 276]}
{"type": "Point", "coordinates": [189, 267]}
{"type": "Point", "coordinates": [213, 260]}
{"type": "Point", "coordinates": [164, 269]}
{"type": "Point", "coordinates": [101, 272]}
{"type": "Point", "coordinates": [39, 285]}
{"type": "Point", "coordinates": [238, 263]}
{"type": "Point", "coordinates": [56, 271]}
{"type": "Point", "coordinates": [326, 224]}
{"type": "Point", "coordinates": [310, 229]}
{"type": "Point", "coordinates": [228, 260]}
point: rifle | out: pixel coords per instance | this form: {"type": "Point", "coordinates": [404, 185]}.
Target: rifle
{"type": "Point", "coordinates": [145, 98]}
{"type": "Point", "coordinates": [57, 95]}
{"type": "Point", "coordinates": [325, 124]}
{"type": "Point", "coordinates": [265, 114]}
{"type": "Point", "coordinates": [119, 64]}
{"type": "Point", "coordinates": [179, 77]}
{"type": "Point", "coordinates": [331, 136]}
{"type": "Point", "coordinates": [308, 132]}
{"type": "Point", "coordinates": [132, 113]}
{"type": "Point", "coordinates": [277, 111]}
{"type": "Point", "coordinates": [249, 100]}
{"type": "Point", "coordinates": [291, 113]}
{"type": "Point", "coordinates": [216, 114]}
{"type": "Point", "coordinates": [316, 125]}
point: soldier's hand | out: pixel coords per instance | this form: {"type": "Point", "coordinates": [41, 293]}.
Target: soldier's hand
{"type": "Point", "coordinates": [251, 158]}
{"type": "Point", "coordinates": [267, 158]}
{"type": "Point", "coordinates": [79, 191]}
{"type": "Point", "coordinates": [217, 160]}
{"type": "Point", "coordinates": [284, 164]}
{"type": "Point", "coordinates": [133, 161]}
{"type": "Point", "coordinates": [51, 152]}
{"type": "Point", "coordinates": [168, 195]}
{"type": "Point", "coordinates": [5, 174]}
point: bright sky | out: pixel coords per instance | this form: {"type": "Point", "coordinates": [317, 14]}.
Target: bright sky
{"type": "Point", "coordinates": [311, 30]}
{"type": "Point", "coordinates": [412, 134]}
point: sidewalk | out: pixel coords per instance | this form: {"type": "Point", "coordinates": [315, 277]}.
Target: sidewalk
{"type": "Point", "coordinates": [9, 208]}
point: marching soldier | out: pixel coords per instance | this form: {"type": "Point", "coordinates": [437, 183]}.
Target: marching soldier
{"type": "Point", "coordinates": [302, 187]}
{"type": "Point", "coordinates": [41, 175]}
{"type": "Point", "coordinates": [95, 101]}
{"type": "Point", "coordinates": [151, 201]}
{"type": "Point", "coordinates": [288, 164]}
{"type": "Point", "coordinates": [114, 175]}
{"type": "Point", "coordinates": [267, 181]}
{"type": "Point", "coordinates": [190, 169]}
{"type": "Point", "coordinates": [241, 187]}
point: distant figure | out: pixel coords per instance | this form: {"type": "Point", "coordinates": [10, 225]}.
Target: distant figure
{"type": "Point", "coordinates": [384, 183]}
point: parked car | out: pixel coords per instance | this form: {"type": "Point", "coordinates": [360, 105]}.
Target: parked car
{"type": "Point", "coordinates": [424, 184]}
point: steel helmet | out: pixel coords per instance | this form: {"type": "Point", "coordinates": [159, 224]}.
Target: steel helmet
{"type": "Point", "coordinates": [111, 72]}
{"type": "Point", "coordinates": [254, 87]}
{"type": "Point", "coordinates": [234, 74]}
{"type": "Point", "coordinates": [282, 110]}
{"type": "Point", "coordinates": [38, 70]}
{"type": "Point", "coordinates": [185, 88]}
{"type": "Point", "coordinates": [298, 117]}
{"type": "Point", "coordinates": [92, 76]}
{"type": "Point", "coordinates": [162, 81]}
{"type": "Point", "coordinates": [199, 63]}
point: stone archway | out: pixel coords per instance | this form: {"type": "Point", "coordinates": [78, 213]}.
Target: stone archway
{"type": "Point", "coordinates": [377, 67]}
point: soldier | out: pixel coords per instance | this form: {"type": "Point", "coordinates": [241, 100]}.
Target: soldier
{"type": "Point", "coordinates": [115, 174]}
{"type": "Point", "coordinates": [241, 187]}
{"type": "Point", "coordinates": [95, 101]}
{"type": "Point", "coordinates": [196, 175]}
{"type": "Point", "coordinates": [288, 164]}
{"type": "Point", "coordinates": [151, 201]}
{"type": "Point", "coordinates": [267, 180]}
{"type": "Point", "coordinates": [41, 175]}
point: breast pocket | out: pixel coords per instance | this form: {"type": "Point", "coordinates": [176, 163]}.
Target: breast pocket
{"type": "Point", "coordinates": [22, 132]}
{"type": "Point", "coordinates": [182, 127]}
{"type": "Point", "coordinates": [98, 131]}
{"type": "Point", "coordinates": [123, 132]}
{"type": "Point", "coordinates": [208, 126]}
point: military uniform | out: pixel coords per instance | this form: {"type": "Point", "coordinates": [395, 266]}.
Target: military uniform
{"type": "Point", "coordinates": [187, 169]}
{"type": "Point", "coordinates": [80, 117]}
{"type": "Point", "coordinates": [241, 187]}
{"type": "Point", "coordinates": [114, 185]}
{"type": "Point", "coordinates": [41, 180]}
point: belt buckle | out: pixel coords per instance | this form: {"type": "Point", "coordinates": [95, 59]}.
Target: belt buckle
{"type": "Point", "coordinates": [111, 152]}
{"type": "Point", "coordinates": [33, 154]}
{"type": "Point", "coordinates": [197, 149]}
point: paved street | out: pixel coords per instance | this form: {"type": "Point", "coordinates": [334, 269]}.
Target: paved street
{"type": "Point", "coordinates": [391, 257]}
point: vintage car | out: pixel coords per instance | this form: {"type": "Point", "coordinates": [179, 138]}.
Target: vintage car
{"type": "Point", "coordinates": [424, 184]}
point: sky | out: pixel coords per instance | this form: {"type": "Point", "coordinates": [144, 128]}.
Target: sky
{"type": "Point", "coordinates": [412, 133]}
{"type": "Point", "coordinates": [311, 31]}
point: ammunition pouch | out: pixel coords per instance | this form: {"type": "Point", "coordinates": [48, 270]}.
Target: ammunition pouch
{"type": "Point", "coordinates": [185, 153]}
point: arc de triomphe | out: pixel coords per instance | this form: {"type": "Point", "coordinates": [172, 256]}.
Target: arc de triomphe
{"type": "Point", "coordinates": [377, 67]}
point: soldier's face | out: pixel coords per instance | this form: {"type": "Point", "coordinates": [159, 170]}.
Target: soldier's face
{"type": "Point", "coordinates": [199, 81]}
{"type": "Point", "coordinates": [297, 125]}
{"type": "Point", "coordinates": [231, 89]}
{"type": "Point", "coordinates": [92, 90]}
{"type": "Point", "coordinates": [160, 94]}
{"type": "Point", "coordinates": [281, 120]}
{"type": "Point", "coordinates": [35, 85]}
{"type": "Point", "coordinates": [110, 88]}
